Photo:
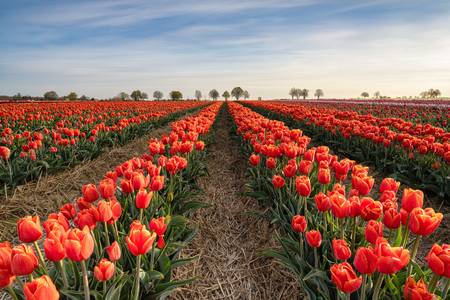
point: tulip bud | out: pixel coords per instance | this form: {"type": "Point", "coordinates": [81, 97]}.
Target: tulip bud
{"type": "Point", "coordinates": [341, 250]}
{"type": "Point", "coordinates": [29, 229]}
{"type": "Point", "coordinates": [114, 252]}
{"type": "Point", "coordinates": [314, 238]}
{"type": "Point", "coordinates": [344, 277]}
{"type": "Point", "coordinates": [41, 288]}
{"type": "Point", "coordinates": [104, 271]}
{"type": "Point", "coordinates": [23, 260]}
{"type": "Point", "coordinates": [298, 223]}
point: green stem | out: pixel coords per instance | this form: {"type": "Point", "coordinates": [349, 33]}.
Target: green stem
{"type": "Point", "coordinates": [152, 258]}
{"type": "Point", "coordinates": [141, 214]}
{"type": "Point", "coordinates": [433, 282]}
{"type": "Point", "coordinates": [362, 295]}
{"type": "Point", "coordinates": [41, 257]}
{"type": "Point", "coordinates": [414, 253]}
{"type": "Point", "coordinates": [60, 266]}
{"type": "Point", "coordinates": [136, 279]}
{"type": "Point", "coordinates": [377, 287]}
{"type": "Point", "coordinates": [301, 245]}
{"type": "Point", "coordinates": [406, 236]}
{"type": "Point", "coordinates": [12, 293]}
{"type": "Point", "coordinates": [104, 288]}
{"type": "Point", "coordinates": [316, 259]}
{"type": "Point", "coordinates": [107, 234]}
{"type": "Point", "coordinates": [87, 295]}
{"type": "Point", "coordinates": [355, 224]}
{"type": "Point", "coordinates": [97, 251]}
{"type": "Point", "coordinates": [446, 288]}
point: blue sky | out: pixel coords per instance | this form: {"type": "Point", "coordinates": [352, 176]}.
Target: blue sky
{"type": "Point", "coordinates": [100, 48]}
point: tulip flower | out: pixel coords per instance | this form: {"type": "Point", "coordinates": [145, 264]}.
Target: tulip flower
{"type": "Point", "coordinates": [126, 186]}
{"type": "Point", "coordinates": [114, 252]}
{"type": "Point", "coordinates": [314, 238]}
{"type": "Point", "coordinates": [87, 217]}
{"type": "Point", "coordinates": [416, 290]}
{"type": "Point", "coordinates": [5, 153]}
{"type": "Point", "coordinates": [79, 244]}
{"type": "Point", "coordinates": [29, 229]}
{"type": "Point", "coordinates": [54, 245]}
{"type": "Point", "coordinates": [389, 184]}
{"type": "Point", "coordinates": [363, 184]}
{"type": "Point", "coordinates": [438, 260]}
{"type": "Point", "coordinates": [41, 288]}
{"type": "Point", "coordinates": [68, 210]}
{"type": "Point", "coordinates": [392, 218]}
{"type": "Point", "coordinates": [341, 250]}
{"type": "Point", "coordinates": [6, 275]}
{"type": "Point", "coordinates": [107, 188]}
{"type": "Point", "coordinates": [305, 166]}
{"type": "Point", "coordinates": [23, 260]}
{"type": "Point", "coordinates": [370, 209]}
{"type": "Point", "coordinates": [254, 160]}
{"type": "Point", "coordinates": [159, 227]}
{"type": "Point", "coordinates": [323, 176]}
{"type": "Point", "coordinates": [140, 240]}
{"type": "Point", "coordinates": [340, 206]}
{"type": "Point", "coordinates": [365, 260]}
{"type": "Point", "coordinates": [104, 270]}
{"type": "Point", "coordinates": [90, 193]}
{"type": "Point", "coordinates": [105, 211]}
{"type": "Point", "coordinates": [303, 186]}
{"type": "Point", "coordinates": [345, 278]}
{"type": "Point", "coordinates": [289, 170]}
{"type": "Point", "coordinates": [271, 163]}
{"type": "Point", "coordinates": [390, 259]}
{"type": "Point", "coordinates": [323, 203]}
{"type": "Point", "coordinates": [412, 199]}
{"type": "Point", "coordinates": [157, 183]}
{"type": "Point", "coordinates": [143, 199]}
{"type": "Point", "coordinates": [298, 223]}
{"type": "Point", "coordinates": [424, 222]}
{"type": "Point", "coordinates": [278, 181]}
{"type": "Point", "coordinates": [373, 231]}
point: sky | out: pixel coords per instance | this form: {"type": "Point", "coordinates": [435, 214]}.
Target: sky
{"type": "Point", "coordinates": [344, 47]}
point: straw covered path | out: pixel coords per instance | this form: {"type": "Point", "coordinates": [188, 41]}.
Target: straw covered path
{"type": "Point", "coordinates": [229, 240]}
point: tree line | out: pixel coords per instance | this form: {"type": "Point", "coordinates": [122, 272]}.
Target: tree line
{"type": "Point", "coordinates": [297, 93]}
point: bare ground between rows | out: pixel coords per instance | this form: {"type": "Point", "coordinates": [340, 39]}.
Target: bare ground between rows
{"type": "Point", "coordinates": [50, 192]}
{"type": "Point", "coordinates": [229, 240]}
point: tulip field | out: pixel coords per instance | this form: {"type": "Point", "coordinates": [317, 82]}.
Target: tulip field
{"type": "Point", "coordinates": [338, 230]}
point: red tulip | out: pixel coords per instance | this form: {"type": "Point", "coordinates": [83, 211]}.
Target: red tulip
{"type": "Point", "coordinates": [314, 238]}
{"type": "Point", "coordinates": [389, 184]}
{"type": "Point", "coordinates": [341, 250]}
{"type": "Point", "coordinates": [6, 275]}
{"type": "Point", "coordinates": [69, 211]}
{"type": "Point", "coordinates": [392, 218]}
{"type": "Point", "coordinates": [439, 260]}
{"type": "Point", "coordinates": [41, 288]}
{"type": "Point", "coordinates": [157, 183]}
{"type": "Point", "coordinates": [303, 186]}
{"type": "Point", "coordinates": [271, 163]}
{"type": "Point", "coordinates": [370, 209]}
{"type": "Point", "coordinates": [114, 252]}
{"type": "Point", "coordinates": [139, 240]}
{"type": "Point", "coordinates": [87, 217]}
{"type": "Point", "coordinates": [290, 170]}
{"type": "Point", "coordinates": [90, 193]}
{"type": "Point", "coordinates": [107, 188]}
{"type": "Point", "coordinates": [298, 223]}
{"type": "Point", "coordinates": [424, 222]}
{"type": "Point", "coordinates": [344, 277]}
{"type": "Point", "coordinates": [29, 229]}
{"type": "Point", "coordinates": [305, 166]}
{"type": "Point", "coordinates": [322, 202]}
{"type": "Point", "coordinates": [79, 244]}
{"type": "Point", "coordinates": [355, 206]}
{"type": "Point", "coordinates": [104, 270]}
{"type": "Point", "coordinates": [254, 160]}
{"type": "Point", "coordinates": [373, 231]}
{"type": "Point", "coordinates": [390, 259]}
{"type": "Point", "coordinates": [105, 211]}
{"type": "Point", "coordinates": [5, 153]}
{"type": "Point", "coordinates": [340, 206]}
{"type": "Point", "coordinates": [365, 260]}
{"type": "Point", "coordinates": [278, 181]}
{"type": "Point", "coordinates": [363, 184]}
{"type": "Point", "coordinates": [158, 226]}
{"type": "Point", "coordinates": [324, 176]}
{"type": "Point", "coordinates": [54, 245]}
{"type": "Point", "coordinates": [143, 199]}
{"type": "Point", "coordinates": [416, 291]}
{"type": "Point", "coordinates": [23, 260]}
{"type": "Point", "coordinates": [126, 186]}
{"type": "Point", "coordinates": [412, 199]}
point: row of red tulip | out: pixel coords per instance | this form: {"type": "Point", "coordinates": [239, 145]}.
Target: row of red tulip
{"type": "Point", "coordinates": [349, 231]}
{"type": "Point", "coordinates": [418, 155]}
{"type": "Point", "coordinates": [54, 135]}
{"type": "Point", "coordinates": [124, 233]}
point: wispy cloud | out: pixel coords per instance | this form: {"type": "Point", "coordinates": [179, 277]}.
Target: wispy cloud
{"type": "Point", "coordinates": [101, 48]}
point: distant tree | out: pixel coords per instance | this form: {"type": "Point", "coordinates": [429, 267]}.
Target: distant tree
{"type": "Point", "coordinates": [17, 96]}
{"type": "Point", "coordinates": [176, 95]}
{"type": "Point", "coordinates": [198, 95]}
{"type": "Point", "coordinates": [237, 92]}
{"type": "Point", "coordinates": [214, 94]}
{"type": "Point", "coordinates": [294, 92]}
{"type": "Point", "coordinates": [246, 95]}
{"type": "Point", "coordinates": [83, 97]}
{"type": "Point", "coordinates": [318, 93]}
{"type": "Point", "coordinates": [72, 96]}
{"type": "Point", "coordinates": [365, 94]}
{"type": "Point", "coordinates": [123, 96]}
{"type": "Point", "coordinates": [136, 95]}
{"type": "Point", "coordinates": [377, 95]}
{"type": "Point", "coordinates": [304, 93]}
{"type": "Point", "coordinates": [158, 95]}
{"type": "Point", "coordinates": [226, 95]}
{"type": "Point", "coordinates": [144, 95]}
{"type": "Point", "coordinates": [432, 93]}
{"type": "Point", "coordinates": [51, 95]}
